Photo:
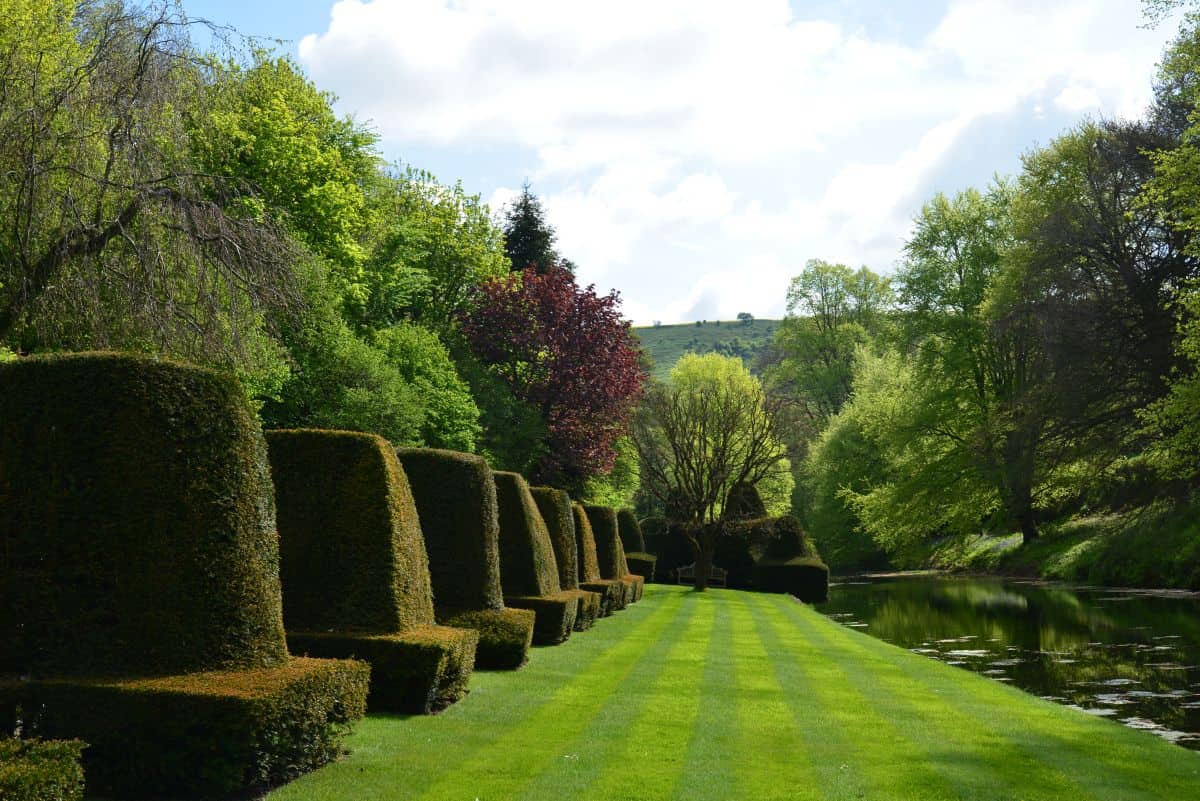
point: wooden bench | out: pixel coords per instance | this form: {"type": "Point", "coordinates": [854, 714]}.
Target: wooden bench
{"type": "Point", "coordinates": [716, 575]}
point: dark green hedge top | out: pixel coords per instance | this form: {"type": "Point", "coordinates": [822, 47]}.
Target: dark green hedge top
{"type": "Point", "coordinates": [743, 501]}
{"type": "Point", "coordinates": [352, 555]}
{"type": "Point", "coordinates": [630, 531]}
{"type": "Point", "coordinates": [773, 537]}
{"type": "Point", "coordinates": [585, 542]}
{"type": "Point", "coordinates": [527, 563]}
{"type": "Point", "coordinates": [555, 506]}
{"type": "Point", "coordinates": [609, 553]}
{"type": "Point", "coordinates": [138, 531]}
{"type": "Point", "coordinates": [456, 502]}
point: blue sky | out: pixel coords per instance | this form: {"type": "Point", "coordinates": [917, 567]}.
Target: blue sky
{"type": "Point", "coordinates": [695, 153]}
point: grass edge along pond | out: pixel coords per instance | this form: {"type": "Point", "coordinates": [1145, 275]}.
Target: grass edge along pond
{"type": "Point", "coordinates": [733, 694]}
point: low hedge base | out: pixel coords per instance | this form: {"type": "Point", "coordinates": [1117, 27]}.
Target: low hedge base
{"type": "Point", "coordinates": [555, 615]}
{"type": "Point", "coordinates": [201, 734]}
{"type": "Point", "coordinates": [588, 609]}
{"type": "Point", "coordinates": [634, 586]}
{"type": "Point", "coordinates": [612, 594]}
{"type": "Point", "coordinates": [418, 671]}
{"type": "Point", "coordinates": [804, 577]}
{"type": "Point", "coordinates": [505, 635]}
{"type": "Point", "coordinates": [41, 770]}
{"type": "Point", "coordinates": [641, 564]}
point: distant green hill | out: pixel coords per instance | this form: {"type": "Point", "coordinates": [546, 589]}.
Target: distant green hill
{"type": "Point", "coordinates": [666, 343]}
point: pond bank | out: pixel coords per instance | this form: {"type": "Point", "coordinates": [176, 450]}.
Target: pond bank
{"type": "Point", "coordinates": [1156, 546]}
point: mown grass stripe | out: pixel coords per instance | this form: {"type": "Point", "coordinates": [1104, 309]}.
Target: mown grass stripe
{"type": "Point", "coordinates": [772, 760]}
{"type": "Point", "coordinates": [1098, 755]}
{"type": "Point", "coordinates": [975, 760]}
{"type": "Point", "coordinates": [872, 744]}
{"type": "Point", "coordinates": [560, 719]}
{"type": "Point", "coordinates": [649, 723]}
{"type": "Point", "coordinates": [707, 772]}
{"type": "Point", "coordinates": [435, 746]}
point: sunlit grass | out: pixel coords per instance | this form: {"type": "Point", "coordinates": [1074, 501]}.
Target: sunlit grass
{"type": "Point", "coordinates": [732, 695]}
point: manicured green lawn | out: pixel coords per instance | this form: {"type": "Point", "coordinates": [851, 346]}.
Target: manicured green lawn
{"type": "Point", "coordinates": [732, 695]}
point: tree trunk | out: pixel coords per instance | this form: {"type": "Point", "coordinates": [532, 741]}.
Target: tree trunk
{"type": "Point", "coordinates": [706, 538]}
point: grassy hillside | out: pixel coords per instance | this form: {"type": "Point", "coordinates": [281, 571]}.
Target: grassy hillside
{"type": "Point", "coordinates": [740, 695]}
{"type": "Point", "coordinates": [666, 343]}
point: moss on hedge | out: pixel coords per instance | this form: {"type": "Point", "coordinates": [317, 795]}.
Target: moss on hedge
{"type": "Point", "coordinates": [805, 577]}
{"type": "Point", "coordinates": [138, 534]}
{"type": "Point", "coordinates": [610, 555]}
{"type": "Point", "coordinates": [202, 734]}
{"type": "Point", "coordinates": [41, 770]}
{"type": "Point", "coordinates": [352, 555]}
{"type": "Point", "coordinates": [426, 668]}
{"type": "Point", "coordinates": [631, 532]}
{"type": "Point", "coordinates": [505, 635]}
{"type": "Point", "coordinates": [456, 503]}
{"type": "Point", "coordinates": [527, 563]}
{"type": "Point", "coordinates": [555, 507]}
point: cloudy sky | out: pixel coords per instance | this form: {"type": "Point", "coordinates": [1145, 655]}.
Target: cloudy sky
{"type": "Point", "coordinates": [695, 153]}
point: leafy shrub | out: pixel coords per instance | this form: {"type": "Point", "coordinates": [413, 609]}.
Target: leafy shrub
{"type": "Point", "coordinates": [138, 534]}
{"type": "Point", "coordinates": [355, 574]}
{"type": "Point", "coordinates": [805, 577]}
{"type": "Point", "coordinates": [41, 770]}
{"type": "Point", "coordinates": [505, 635]}
{"type": "Point", "coordinates": [202, 734]}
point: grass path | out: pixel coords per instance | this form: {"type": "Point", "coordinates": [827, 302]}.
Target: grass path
{"type": "Point", "coordinates": [732, 695]}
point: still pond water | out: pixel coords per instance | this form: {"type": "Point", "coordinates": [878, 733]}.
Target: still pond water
{"type": "Point", "coordinates": [1129, 655]}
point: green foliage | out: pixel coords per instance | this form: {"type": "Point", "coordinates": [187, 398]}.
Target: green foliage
{"type": "Point", "coordinates": [589, 609]}
{"type": "Point", "coordinates": [744, 543]}
{"type": "Point", "coordinates": [528, 236]}
{"type": "Point", "coordinates": [554, 614]}
{"type": "Point", "coordinates": [807, 578]}
{"type": "Point", "coordinates": [505, 635]}
{"type": "Point", "coordinates": [456, 504]}
{"type": "Point", "coordinates": [618, 486]}
{"type": "Point", "coordinates": [450, 417]}
{"type": "Point", "coordinates": [611, 591]}
{"type": "Point", "coordinates": [353, 558]}
{"type": "Point", "coordinates": [418, 671]}
{"type": "Point", "coordinates": [527, 563]}
{"type": "Point", "coordinates": [432, 245]}
{"type": "Point", "coordinates": [139, 526]}
{"type": "Point", "coordinates": [742, 501]}
{"type": "Point", "coordinates": [555, 508]}
{"type": "Point", "coordinates": [1174, 420]}
{"type": "Point", "coordinates": [641, 564]}
{"type": "Point", "coordinates": [41, 770]}
{"type": "Point", "coordinates": [203, 734]}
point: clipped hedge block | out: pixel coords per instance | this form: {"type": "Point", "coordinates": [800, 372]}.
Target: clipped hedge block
{"type": "Point", "coordinates": [555, 507]}
{"type": "Point", "coordinates": [746, 542]}
{"type": "Point", "coordinates": [743, 501]}
{"type": "Point", "coordinates": [352, 555]}
{"type": "Point", "coordinates": [456, 503]}
{"type": "Point", "coordinates": [585, 544]}
{"type": "Point", "coordinates": [805, 577]}
{"type": "Point", "coordinates": [588, 610]}
{"type": "Point", "coordinates": [642, 564]}
{"type": "Point", "coordinates": [554, 614]}
{"type": "Point", "coordinates": [634, 586]}
{"type": "Point", "coordinates": [505, 635]}
{"type": "Point", "coordinates": [610, 554]}
{"type": "Point", "coordinates": [527, 563]}
{"type": "Point", "coordinates": [41, 770]}
{"type": "Point", "coordinates": [630, 531]}
{"type": "Point", "coordinates": [611, 592]}
{"type": "Point", "coordinates": [419, 671]}
{"type": "Point", "coordinates": [138, 533]}
{"type": "Point", "coordinates": [204, 734]}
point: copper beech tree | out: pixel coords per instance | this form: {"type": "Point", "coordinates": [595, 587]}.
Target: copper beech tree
{"type": "Point", "coordinates": [565, 352]}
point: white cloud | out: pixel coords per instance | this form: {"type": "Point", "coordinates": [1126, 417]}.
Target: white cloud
{"type": "Point", "coordinates": [695, 149]}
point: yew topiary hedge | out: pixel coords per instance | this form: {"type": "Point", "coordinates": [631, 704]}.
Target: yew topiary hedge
{"type": "Point", "coordinates": [637, 556]}
{"type": "Point", "coordinates": [805, 577]}
{"type": "Point", "coordinates": [746, 542]}
{"type": "Point", "coordinates": [354, 570]}
{"type": "Point", "coordinates": [455, 496]}
{"type": "Point", "coordinates": [139, 582]}
{"type": "Point", "coordinates": [528, 569]}
{"type": "Point", "coordinates": [555, 508]}
{"type": "Point", "coordinates": [611, 553]}
{"type": "Point", "coordinates": [611, 591]}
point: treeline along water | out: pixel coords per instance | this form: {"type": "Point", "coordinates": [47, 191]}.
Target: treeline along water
{"type": "Point", "coordinates": [1130, 655]}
